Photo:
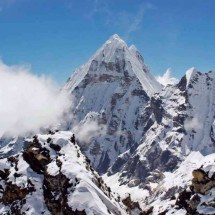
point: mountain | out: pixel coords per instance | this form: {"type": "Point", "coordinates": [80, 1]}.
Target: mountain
{"type": "Point", "coordinates": [178, 141]}
{"type": "Point", "coordinates": [153, 145]}
{"type": "Point", "coordinates": [152, 142]}
{"type": "Point", "coordinates": [110, 92]}
{"type": "Point", "coordinates": [50, 175]}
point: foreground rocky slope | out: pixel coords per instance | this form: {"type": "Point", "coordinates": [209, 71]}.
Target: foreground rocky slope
{"type": "Point", "coordinates": [51, 176]}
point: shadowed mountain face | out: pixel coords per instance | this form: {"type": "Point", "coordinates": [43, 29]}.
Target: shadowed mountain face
{"type": "Point", "coordinates": [111, 89]}
{"type": "Point", "coordinates": [178, 124]}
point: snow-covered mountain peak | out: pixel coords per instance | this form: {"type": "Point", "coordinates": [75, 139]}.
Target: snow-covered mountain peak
{"type": "Point", "coordinates": [115, 85]}
{"type": "Point", "coordinates": [115, 59]}
{"type": "Point", "coordinates": [133, 48]}
{"type": "Point", "coordinates": [113, 48]}
{"type": "Point", "coordinates": [115, 39]}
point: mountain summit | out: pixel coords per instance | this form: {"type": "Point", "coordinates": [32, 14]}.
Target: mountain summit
{"type": "Point", "coordinates": [115, 57]}
{"type": "Point", "coordinates": [111, 90]}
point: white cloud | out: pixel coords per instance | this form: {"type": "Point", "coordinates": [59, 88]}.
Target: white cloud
{"type": "Point", "coordinates": [167, 78]}
{"type": "Point", "coordinates": [28, 102]}
{"type": "Point", "coordinates": [136, 21]}
{"type": "Point", "coordinates": [126, 21]}
{"type": "Point", "coordinates": [193, 123]}
{"type": "Point", "coordinates": [89, 128]}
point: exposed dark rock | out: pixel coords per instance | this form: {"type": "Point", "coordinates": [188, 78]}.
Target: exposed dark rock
{"type": "Point", "coordinates": [13, 193]}
{"type": "Point", "coordinates": [94, 65]}
{"type": "Point", "coordinates": [136, 169]}
{"type": "Point", "coordinates": [55, 147]}
{"type": "Point", "coordinates": [190, 200]}
{"type": "Point", "coordinates": [131, 205]}
{"type": "Point", "coordinates": [141, 93]}
{"type": "Point", "coordinates": [212, 135]}
{"type": "Point", "coordinates": [55, 194]}
{"type": "Point", "coordinates": [95, 149]}
{"type": "Point", "coordinates": [51, 132]}
{"type": "Point", "coordinates": [37, 158]}
{"type": "Point", "coordinates": [72, 138]}
{"type": "Point", "coordinates": [147, 212]}
{"type": "Point", "coordinates": [179, 120]}
{"type": "Point", "coordinates": [182, 83]}
{"type": "Point", "coordinates": [170, 193]}
{"type": "Point", "coordinates": [49, 140]}
{"type": "Point", "coordinates": [194, 202]}
{"type": "Point", "coordinates": [156, 105]}
{"type": "Point", "coordinates": [201, 183]}
{"type": "Point", "coordinates": [117, 165]}
{"type": "Point", "coordinates": [14, 161]}
{"type": "Point", "coordinates": [105, 77]}
{"type": "Point", "coordinates": [4, 174]}
{"type": "Point", "coordinates": [104, 162]}
{"type": "Point", "coordinates": [183, 198]}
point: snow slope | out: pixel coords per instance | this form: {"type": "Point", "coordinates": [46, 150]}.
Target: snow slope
{"type": "Point", "coordinates": [51, 176]}
{"type": "Point", "coordinates": [179, 138]}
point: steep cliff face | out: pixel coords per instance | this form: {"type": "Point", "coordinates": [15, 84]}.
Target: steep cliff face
{"type": "Point", "coordinates": [180, 124]}
{"type": "Point", "coordinates": [180, 120]}
{"type": "Point", "coordinates": [111, 89]}
{"type": "Point", "coordinates": [188, 190]}
{"type": "Point", "coordinates": [51, 176]}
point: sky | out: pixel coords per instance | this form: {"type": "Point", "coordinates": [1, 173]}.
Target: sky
{"type": "Point", "coordinates": [55, 37]}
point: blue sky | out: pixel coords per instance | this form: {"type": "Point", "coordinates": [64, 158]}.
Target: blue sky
{"type": "Point", "coordinates": [57, 36]}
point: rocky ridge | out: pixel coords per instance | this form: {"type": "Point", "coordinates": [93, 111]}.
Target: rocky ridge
{"type": "Point", "coordinates": [51, 176]}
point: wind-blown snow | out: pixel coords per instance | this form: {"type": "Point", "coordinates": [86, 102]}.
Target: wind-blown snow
{"type": "Point", "coordinates": [167, 78]}
{"type": "Point", "coordinates": [88, 128]}
{"type": "Point", "coordinates": [28, 102]}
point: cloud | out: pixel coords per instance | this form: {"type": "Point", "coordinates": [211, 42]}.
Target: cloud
{"type": "Point", "coordinates": [126, 21]}
{"type": "Point", "coordinates": [132, 21]}
{"type": "Point", "coordinates": [28, 102]}
{"type": "Point", "coordinates": [193, 123]}
{"type": "Point", "coordinates": [89, 128]}
{"type": "Point", "coordinates": [167, 78]}
{"type": "Point", "coordinates": [136, 22]}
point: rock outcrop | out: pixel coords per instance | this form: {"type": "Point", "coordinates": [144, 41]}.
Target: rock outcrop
{"type": "Point", "coordinates": [51, 176]}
